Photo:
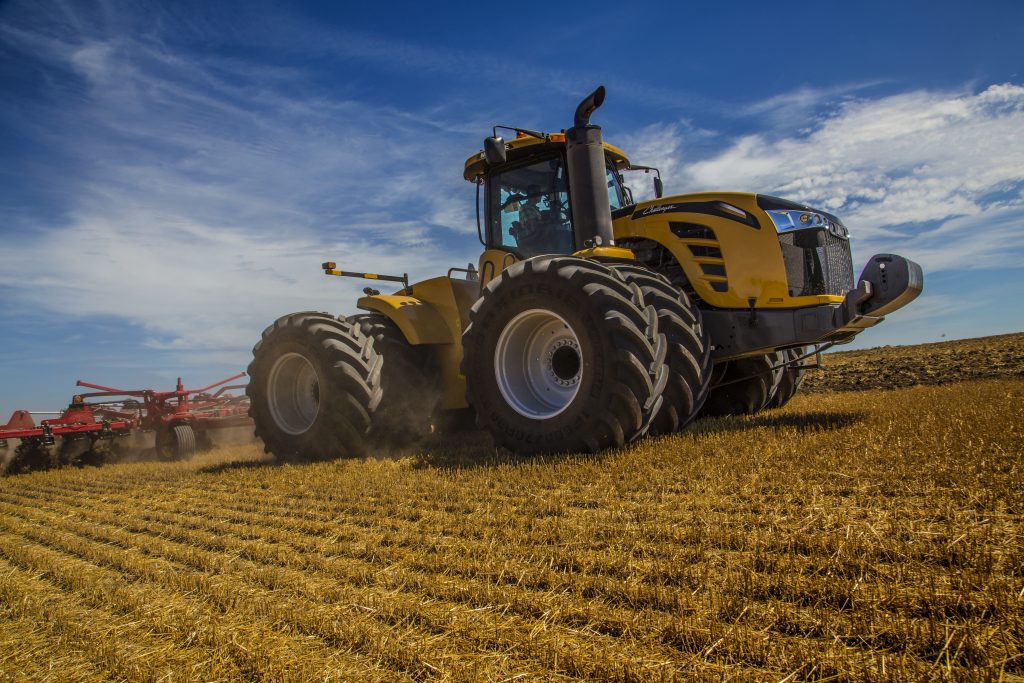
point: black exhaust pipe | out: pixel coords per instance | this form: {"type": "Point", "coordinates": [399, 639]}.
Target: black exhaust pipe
{"type": "Point", "coordinates": [588, 106]}
{"type": "Point", "coordinates": [588, 182]}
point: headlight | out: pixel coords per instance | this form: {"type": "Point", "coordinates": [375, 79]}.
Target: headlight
{"type": "Point", "coordinates": [787, 220]}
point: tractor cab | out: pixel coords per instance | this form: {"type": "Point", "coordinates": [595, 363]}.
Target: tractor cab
{"type": "Point", "coordinates": [527, 198]}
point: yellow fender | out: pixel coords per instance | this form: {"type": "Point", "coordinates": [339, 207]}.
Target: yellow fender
{"type": "Point", "coordinates": [419, 321]}
{"type": "Point", "coordinates": [436, 316]}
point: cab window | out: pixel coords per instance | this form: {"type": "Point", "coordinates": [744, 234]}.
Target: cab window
{"type": "Point", "coordinates": [615, 196]}
{"type": "Point", "coordinates": [528, 209]}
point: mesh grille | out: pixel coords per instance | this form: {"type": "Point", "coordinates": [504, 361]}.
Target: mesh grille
{"type": "Point", "coordinates": [839, 272]}
{"type": "Point", "coordinates": [817, 262]}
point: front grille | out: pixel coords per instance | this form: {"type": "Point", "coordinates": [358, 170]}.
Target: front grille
{"type": "Point", "coordinates": [840, 264]}
{"type": "Point", "coordinates": [817, 262]}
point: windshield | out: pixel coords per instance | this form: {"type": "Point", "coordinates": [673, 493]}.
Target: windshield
{"type": "Point", "coordinates": [528, 209]}
{"type": "Point", "coordinates": [615, 196]}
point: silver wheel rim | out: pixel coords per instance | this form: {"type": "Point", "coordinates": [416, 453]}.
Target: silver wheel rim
{"type": "Point", "coordinates": [537, 364]}
{"type": "Point", "coordinates": [293, 393]}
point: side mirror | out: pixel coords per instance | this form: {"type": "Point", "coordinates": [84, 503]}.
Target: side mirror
{"type": "Point", "coordinates": [659, 187]}
{"type": "Point", "coordinates": [494, 151]}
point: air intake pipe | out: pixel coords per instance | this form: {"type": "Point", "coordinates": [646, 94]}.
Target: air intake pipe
{"type": "Point", "coordinates": [588, 182]}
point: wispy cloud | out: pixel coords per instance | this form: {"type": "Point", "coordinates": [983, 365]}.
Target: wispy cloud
{"type": "Point", "coordinates": [200, 194]}
{"type": "Point", "coordinates": [993, 238]}
{"type": "Point", "coordinates": [795, 108]}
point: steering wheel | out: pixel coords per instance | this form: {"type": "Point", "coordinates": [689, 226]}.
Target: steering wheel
{"type": "Point", "coordinates": [512, 199]}
{"type": "Point", "coordinates": [560, 208]}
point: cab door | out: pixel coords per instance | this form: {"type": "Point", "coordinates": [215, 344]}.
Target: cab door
{"type": "Point", "coordinates": [527, 213]}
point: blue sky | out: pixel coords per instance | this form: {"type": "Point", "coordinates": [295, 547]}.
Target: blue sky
{"type": "Point", "coordinates": [174, 173]}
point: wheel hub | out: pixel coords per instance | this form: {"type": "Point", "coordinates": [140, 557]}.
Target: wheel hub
{"type": "Point", "coordinates": [563, 362]}
{"type": "Point", "coordinates": [538, 364]}
{"type": "Point", "coordinates": [293, 393]}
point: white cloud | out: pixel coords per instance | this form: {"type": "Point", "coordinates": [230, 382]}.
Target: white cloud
{"type": "Point", "coordinates": [664, 146]}
{"type": "Point", "coordinates": [993, 238]}
{"type": "Point", "coordinates": [908, 158]}
{"type": "Point", "coordinates": [202, 196]}
{"type": "Point", "coordinates": [657, 145]}
{"type": "Point", "coordinates": [191, 286]}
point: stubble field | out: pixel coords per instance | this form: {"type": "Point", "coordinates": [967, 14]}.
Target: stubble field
{"type": "Point", "coordinates": [852, 535]}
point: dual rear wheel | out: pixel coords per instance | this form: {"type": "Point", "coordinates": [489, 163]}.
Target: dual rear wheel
{"type": "Point", "coordinates": [322, 387]}
{"type": "Point", "coordinates": [564, 354]}
{"type": "Point", "coordinates": [315, 383]}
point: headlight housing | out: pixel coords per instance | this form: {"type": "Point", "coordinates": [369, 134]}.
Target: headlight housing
{"type": "Point", "coordinates": [786, 220]}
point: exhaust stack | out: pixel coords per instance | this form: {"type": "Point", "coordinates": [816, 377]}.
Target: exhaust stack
{"type": "Point", "coordinates": [588, 184]}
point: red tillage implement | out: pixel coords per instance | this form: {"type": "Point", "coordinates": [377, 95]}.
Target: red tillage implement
{"type": "Point", "coordinates": [181, 421]}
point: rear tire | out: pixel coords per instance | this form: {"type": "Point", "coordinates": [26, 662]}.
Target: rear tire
{"type": "Point", "coordinates": [562, 355]}
{"type": "Point", "coordinates": [408, 380]}
{"type": "Point", "coordinates": [689, 349]}
{"type": "Point", "coordinates": [315, 384]}
{"type": "Point", "coordinates": [744, 387]}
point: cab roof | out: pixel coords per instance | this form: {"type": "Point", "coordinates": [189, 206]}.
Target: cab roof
{"type": "Point", "coordinates": [525, 146]}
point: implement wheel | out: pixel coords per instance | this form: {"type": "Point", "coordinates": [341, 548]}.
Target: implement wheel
{"type": "Point", "coordinates": [315, 383]}
{"type": "Point", "coordinates": [562, 355]}
{"type": "Point", "coordinates": [689, 349]}
{"type": "Point", "coordinates": [183, 440]}
{"type": "Point", "coordinates": [409, 383]}
{"type": "Point", "coordinates": [744, 386]}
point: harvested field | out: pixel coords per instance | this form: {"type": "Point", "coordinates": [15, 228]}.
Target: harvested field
{"type": "Point", "coordinates": [874, 535]}
{"type": "Point", "coordinates": [890, 367]}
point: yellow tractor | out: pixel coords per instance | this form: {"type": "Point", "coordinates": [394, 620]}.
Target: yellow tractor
{"type": "Point", "coordinates": [591, 319]}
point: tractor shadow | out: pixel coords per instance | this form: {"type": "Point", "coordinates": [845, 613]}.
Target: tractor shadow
{"type": "Point", "coordinates": [475, 449]}
{"type": "Point", "coordinates": [219, 468]}
{"type": "Point", "coordinates": [801, 422]}
{"type": "Point", "coordinates": [462, 450]}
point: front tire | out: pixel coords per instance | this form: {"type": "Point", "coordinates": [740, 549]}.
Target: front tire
{"type": "Point", "coordinates": [562, 355]}
{"type": "Point", "coordinates": [744, 387]}
{"type": "Point", "coordinates": [792, 378]}
{"type": "Point", "coordinates": [689, 348]}
{"type": "Point", "coordinates": [315, 384]}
